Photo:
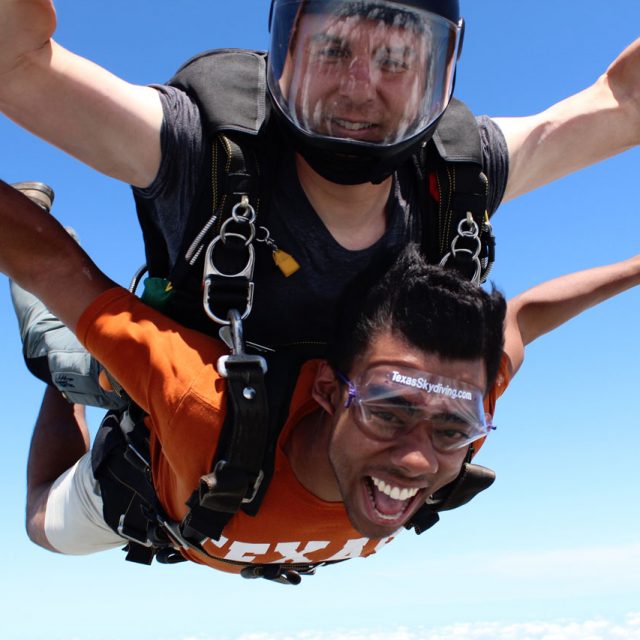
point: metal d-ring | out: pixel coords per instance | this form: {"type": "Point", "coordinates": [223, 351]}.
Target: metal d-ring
{"type": "Point", "coordinates": [470, 233]}
{"type": "Point", "coordinates": [246, 206]}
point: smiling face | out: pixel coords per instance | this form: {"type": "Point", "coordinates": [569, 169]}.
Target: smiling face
{"type": "Point", "coordinates": [357, 78]}
{"type": "Point", "coordinates": [383, 484]}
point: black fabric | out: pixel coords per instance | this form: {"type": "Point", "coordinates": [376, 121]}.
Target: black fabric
{"type": "Point", "coordinates": [130, 504]}
{"type": "Point", "coordinates": [229, 86]}
{"type": "Point", "coordinates": [471, 480]}
{"type": "Point", "coordinates": [240, 452]}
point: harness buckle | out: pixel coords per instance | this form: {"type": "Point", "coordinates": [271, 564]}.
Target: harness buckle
{"type": "Point", "coordinates": [172, 530]}
{"type": "Point", "coordinates": [132, 535]}
{"type": "Point", "coordinates": [238, 356]}
{"type": "Point", "coordinates": [254, 488]}
{"type": "Point", "coordinates": [226, 486]}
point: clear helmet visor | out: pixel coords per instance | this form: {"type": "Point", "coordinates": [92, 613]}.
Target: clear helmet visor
{"type": "Point", "coordinates": [371, 72]}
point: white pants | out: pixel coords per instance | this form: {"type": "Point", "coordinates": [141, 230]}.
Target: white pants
{"type": "Point", "coordinates": [73, 522]}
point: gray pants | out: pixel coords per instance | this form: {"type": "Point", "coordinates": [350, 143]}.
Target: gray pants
{"type": "Point", "coordinates": [53, 354]}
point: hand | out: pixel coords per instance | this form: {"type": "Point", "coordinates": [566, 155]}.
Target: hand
{"type": "Point", "coordinates": [26, 26]}
{"type": "Point", "coordinates": [623, 78]}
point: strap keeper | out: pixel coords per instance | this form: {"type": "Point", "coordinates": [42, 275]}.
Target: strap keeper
{"type": "Point", "coordinates": [226, 487]}
{"type": "Point", "coordinates": [134, 535]}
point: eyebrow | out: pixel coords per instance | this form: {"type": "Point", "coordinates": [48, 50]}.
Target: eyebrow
{"type": "Point", "coordinates": [325, 38]}
{"type": "Point", "coordinates": [404, 50]}
{"type": "Point", "coordinates": [407, 52]}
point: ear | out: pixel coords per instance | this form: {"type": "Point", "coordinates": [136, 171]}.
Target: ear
{"type": "Point", "coordinates": [326, 388]}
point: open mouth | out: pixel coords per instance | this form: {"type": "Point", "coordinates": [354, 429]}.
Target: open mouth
{"type": "Point", "coordinates": [389, 503]}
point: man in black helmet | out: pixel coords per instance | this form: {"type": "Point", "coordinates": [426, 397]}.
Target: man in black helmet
{"type": "Point", "coordinates": [361, 85]}
{"type": "Point", "coordinates": [342, 186]}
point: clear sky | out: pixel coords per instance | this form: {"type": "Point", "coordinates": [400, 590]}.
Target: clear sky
{"type": "Point", "coordinates": [553, 549]}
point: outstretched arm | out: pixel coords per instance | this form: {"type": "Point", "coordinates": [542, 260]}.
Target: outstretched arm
{"type": "Point", "coordinates": [550, 304]}
{"type": "Point", "coordinates": [592, 125]}
{"type": "Point", "coordinates": [37, 252]}
{"type": "Point", "coordinates": [72, 103]}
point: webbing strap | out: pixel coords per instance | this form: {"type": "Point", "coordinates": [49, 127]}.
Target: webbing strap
{"type": "Point", "coordinates": [459, 188]}
{"type": "Point", "coordinates": [237, 474]}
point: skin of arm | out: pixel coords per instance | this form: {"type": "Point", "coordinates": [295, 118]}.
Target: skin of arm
{"type": "Point", "coordinates": [71, 102]}
{"type": "Point", "coordinates": [37, 252]}
{"type": "Point", "coordinates": [550, 304]}
{"type": "Point", "coordinates": [60, 438]}
{"type": "Point", "coordinates": [594, 124]}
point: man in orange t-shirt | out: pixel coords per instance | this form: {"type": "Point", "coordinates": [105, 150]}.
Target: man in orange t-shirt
{"type": "Point", "coordinates": [372, 433]}
{"type": "Point", "coordinates": [351, 469]}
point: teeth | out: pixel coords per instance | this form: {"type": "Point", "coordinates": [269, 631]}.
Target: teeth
{"type": "Point", "coordinates": [395, 493]}
{"type": "Point", "coordinates": [353, 126]}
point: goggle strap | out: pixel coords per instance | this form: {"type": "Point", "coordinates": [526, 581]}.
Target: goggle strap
{"type": "Point", "coordinates": [351, 388]}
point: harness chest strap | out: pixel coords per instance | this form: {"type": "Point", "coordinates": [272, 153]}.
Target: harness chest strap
{"type": "Point", "coordinates": [237, 474]}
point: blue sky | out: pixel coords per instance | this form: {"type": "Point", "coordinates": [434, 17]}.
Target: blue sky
{"type": "Point", "coordinates": [553, 549]}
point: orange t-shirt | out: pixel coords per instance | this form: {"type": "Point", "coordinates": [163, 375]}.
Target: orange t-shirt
{"type": "Point", "coordinates": [170, 372]}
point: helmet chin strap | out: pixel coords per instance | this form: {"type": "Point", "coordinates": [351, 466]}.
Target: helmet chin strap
{"type": "Point", "coordinates": [348, 170]}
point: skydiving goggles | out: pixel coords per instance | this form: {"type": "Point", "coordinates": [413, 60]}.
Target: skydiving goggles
{"type": "Point", "coordinates": [388, 402]}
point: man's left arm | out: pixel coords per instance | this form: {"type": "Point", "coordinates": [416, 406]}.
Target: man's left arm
{"type": "Point", "coordinates": [599, 122]}
{"type": "Point", "coordinates": [550, 304]}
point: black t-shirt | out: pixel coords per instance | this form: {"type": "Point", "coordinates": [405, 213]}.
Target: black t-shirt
{"type": "Point", "coordinates": [300, 307]}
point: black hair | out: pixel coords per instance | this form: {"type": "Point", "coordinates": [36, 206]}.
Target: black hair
{"type": "Point", "coordinates": [431, 307]}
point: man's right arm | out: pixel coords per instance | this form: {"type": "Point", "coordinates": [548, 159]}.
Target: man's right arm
{"type": "Point", "coordinates": [83, 109]}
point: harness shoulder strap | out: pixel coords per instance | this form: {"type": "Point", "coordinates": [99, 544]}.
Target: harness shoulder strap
{"type": "Point", "coordinates": [457, 230]}
{"type": "Point", "coordinates": [229, 88]}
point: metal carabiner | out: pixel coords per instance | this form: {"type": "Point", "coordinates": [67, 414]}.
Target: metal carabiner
{"type": "Point", "coordinates": [210, 270]}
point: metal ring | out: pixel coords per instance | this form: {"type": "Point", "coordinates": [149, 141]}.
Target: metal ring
{"type": "Point", "coordinates": [473, 230]}
{"type": "Point", "coordinates": [247, 241]}
{"type": "Point", "coordinates": [477, 274]}
{"type": "Point", "coordinates": [243, 218]}
{"type": "Point", "coordinates": [475, 254]}
{"type": "Point", "coordinates": [267, 235]}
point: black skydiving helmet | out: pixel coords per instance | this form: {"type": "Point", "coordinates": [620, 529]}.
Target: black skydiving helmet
{"type": "Point", "coordinates": [361, 84]}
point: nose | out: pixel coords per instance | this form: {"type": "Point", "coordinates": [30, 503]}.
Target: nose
{"type": "Point", "coordinates": [358, 80]}
{"type": "Point", "coordinates": [413, 454]}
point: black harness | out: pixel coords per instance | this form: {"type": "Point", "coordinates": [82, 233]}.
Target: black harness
{"type": "Point", "coordinates": [211, 286]}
